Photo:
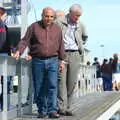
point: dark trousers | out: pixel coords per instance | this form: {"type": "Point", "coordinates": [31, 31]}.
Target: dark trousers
{"type": "Point", "coordinates": [8, 89]}
{"type": "Point", "coordinates": [107, 82]}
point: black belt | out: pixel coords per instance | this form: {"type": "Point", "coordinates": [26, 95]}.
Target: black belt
{"type": "Point", "coordinates": [71, 50]}
{"type": "Point", "coordinates": [46, 57]}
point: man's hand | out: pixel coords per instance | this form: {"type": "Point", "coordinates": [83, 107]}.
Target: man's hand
{"type": "Point", "coordinates": [62, 66]}
{"type": "Point", "coordinates": [16, 55]}
{"type": "Point", "coordinates": [28, 57]}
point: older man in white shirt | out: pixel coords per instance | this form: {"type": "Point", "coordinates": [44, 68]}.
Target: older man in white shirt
{"type": "Point", "coordinates": [74, 36]}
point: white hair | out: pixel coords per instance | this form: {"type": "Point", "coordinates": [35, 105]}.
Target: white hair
{"type": "Point", "coordinates": [75, 8]}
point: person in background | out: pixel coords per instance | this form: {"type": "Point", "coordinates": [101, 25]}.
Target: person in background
{"type": "Point", "coordinates": [74, 36]}
{"type": "Point", "coordinates": [110, 86]}
{"type": "Point", "coordinates": [4, 41]}
{"type": "Point", "coordinates": [116, 72]}
{"type": "Point", "coordinates": [44, 39]}
{"type": "Point", "coordinates": [106, 69]}
{"type": "Point", "coordinates": [99, 81]}
{"type": "Point", "coordinates": [4, 50]}
{"type": "Point", "coordinates": [59, 13]}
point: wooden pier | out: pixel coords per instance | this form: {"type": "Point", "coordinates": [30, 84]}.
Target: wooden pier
{"type": "Point", "coordinates": [95, 106]}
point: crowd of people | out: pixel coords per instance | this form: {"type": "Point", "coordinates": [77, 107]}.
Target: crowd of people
{"type": "Point", "coordinates": [108, 73]}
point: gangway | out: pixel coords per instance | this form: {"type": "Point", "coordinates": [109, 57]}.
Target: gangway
{"type": "Point", "coordinates": [97, 106]}
{"type": "Point", "coordinates": [88, 104]}
{"type": "Point", "coordinates": [11, 67]}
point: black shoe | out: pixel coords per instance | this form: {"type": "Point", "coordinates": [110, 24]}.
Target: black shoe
{"type": "Point", "coordinates": [69, 113]}
{"type": "Point", "coordinates": [42, 116]}
{"type": "Point", "coordinates": [62, 112]}
{"type": "Point", "coordinates": [66, 112]}
{"type": "Point", "coordinates": [54, 115]}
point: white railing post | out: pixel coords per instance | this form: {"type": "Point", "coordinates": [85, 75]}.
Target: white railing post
{"type": "Point", "coordinates": [19, 73]}
{"type": "Point", "coordinates": [4, 112]}
{"type": "Point", "coordinates": [86, 80]}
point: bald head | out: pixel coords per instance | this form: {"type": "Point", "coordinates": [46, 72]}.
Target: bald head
{"type": "Point", "coordinates": [48, 9]}
{"type": "Point", "coordinates": [59, 13]}
{"type": "Point", "coordinates": [48, 16]}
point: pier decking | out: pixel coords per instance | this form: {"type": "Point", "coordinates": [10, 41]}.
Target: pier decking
{"type": "Point", "coordinates": [97, 106]}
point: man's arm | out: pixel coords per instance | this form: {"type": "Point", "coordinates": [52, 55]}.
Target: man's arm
{"type": "Point", "coordinates": [24, 42]}
{"type": "Point", "coordinates": [61, 52]}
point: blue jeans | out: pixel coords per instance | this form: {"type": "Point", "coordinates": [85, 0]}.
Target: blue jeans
{"type": "Point", "coordinates": [45, 83]}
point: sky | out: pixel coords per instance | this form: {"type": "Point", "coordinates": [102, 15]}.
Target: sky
{"type": "Point", "coordinates": [101, 18]}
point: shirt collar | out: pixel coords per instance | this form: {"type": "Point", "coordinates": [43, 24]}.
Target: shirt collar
{"type": "Point", "coordinates": [41, 23]}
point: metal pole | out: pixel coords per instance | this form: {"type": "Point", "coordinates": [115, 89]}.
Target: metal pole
{"type": "Point", "coordinates": [24, 16]}
{"type": "Point", "coordinates": [102, 51]}
{"type": "Point", "coordinates": [4, 113]}
{"type": "Point", "coordinates": [19, 73]}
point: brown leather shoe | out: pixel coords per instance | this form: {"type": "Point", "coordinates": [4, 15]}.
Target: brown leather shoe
{"type": "Point", "coordinates": [54, 115]}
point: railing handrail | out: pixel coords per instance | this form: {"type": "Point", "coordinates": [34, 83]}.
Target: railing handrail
{"type": "Point", "coordinates": [10, 67]}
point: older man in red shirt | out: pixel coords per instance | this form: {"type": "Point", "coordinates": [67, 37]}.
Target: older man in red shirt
{"type": "Point", "coordinates": [44, 39]}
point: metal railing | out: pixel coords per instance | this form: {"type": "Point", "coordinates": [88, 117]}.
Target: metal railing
{"type": "Point", "coordinates": [86, 80]}
{"type": "Point", "coordinates": [22, 69]}
{"type": "Point", "coordinates": [11, 67]}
